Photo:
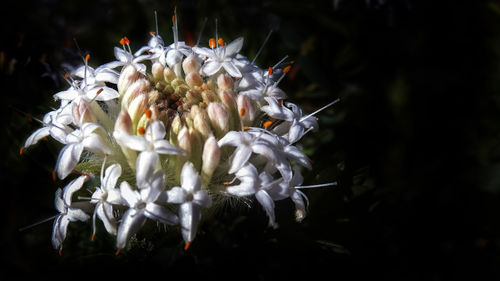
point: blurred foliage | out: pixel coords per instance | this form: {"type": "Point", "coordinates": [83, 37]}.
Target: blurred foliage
{"type": "Point", "coordinates": [414, 143]}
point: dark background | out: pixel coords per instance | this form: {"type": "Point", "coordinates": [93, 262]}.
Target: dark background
{"type": "Point", "coordinates": [414, 142]}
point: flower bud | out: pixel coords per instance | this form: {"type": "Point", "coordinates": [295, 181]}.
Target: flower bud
{"type": "Point", "coordinates": [208, 96]}
{"type": "Point", "coordinates": [194, 79]}
{"type": "Point", "coordinates": [246, 109]}
{"type": "Point", "coordinates": [128, 76]}
{"type": "Point", "coordinates": [200, 121]}
{"type": "Point", "coordinates": [193, 97]}
{"type": "Point", "coordinates": [184, 140]}
{"type": "Point", "coordinates": [137, 108]}
{"type": "Point", "coordinates": [225, 82]}
{"type": "Point", "coordinates": [175, 128]}
{"type": "Point", "coordinates": [123, 123]}
{"type": "Point", "coordinates": [168, 74]}
{"type": "Point", "coordinates": [157, 71]}
{"type": "Point", "coordinates": [82, 113]}
{"type": "Point", "coordinates": [139, 87]}
{"type": "Point", "coordinates": [210, 158]}
{"type": "Point", "coordinates": [227, 98]}
{"type": "Point", "coordinates": [191, 64]}
{"type": "Point", "coordinates": [219, 118]}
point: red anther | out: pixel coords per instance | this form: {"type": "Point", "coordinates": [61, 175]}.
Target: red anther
{"type": "Point", "coordinates": [66, 75]}
{"type": "Point", "coordinates": [221, 42]}
{"type": "Point", "coordinates": [287, 69]}
{"type": "Point", "coordinates": [93, 237]}
{"type": "Point", "coordinates": [211, 43]}
{"type": "Point", "coordinates": [242, 112]}
{"type": "Point", "coordinates": [187, 245]}
{"type": "Point", "coordinates": [21, 150]}
{"type": "Point", "coordinates": [45, 138]}
{"type": "Point", "coordinates": [148, 113]}
{"type": "Point", "coordinates": [141, 131]}
{"type": "Point", "coordinates": [118, 252]}
{"type": "Point", "coordinates": [124, 41]}
{"type": "Point", "coordinates": [175, 9]}
{"type": "Point", "coordinates": [54, 175]}
{"type": "Point", "coordinates": [270, 70]}
{"type": "Point", "coordinates": [100, 91]}
{"type": "Point", "coordinates": [87, 57]}
{"type": "Point", "coordinates": [173, 19]}
{"type": "Point", "coordinates": [60, 252]}
{"type": "Point", "coordinates": [267, 124]}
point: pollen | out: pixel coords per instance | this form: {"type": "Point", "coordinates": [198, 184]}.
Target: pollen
{"type": "Point", "coordinates": [148, 113]}
{"type": "Point", "coordinates": [124, 41]}
{"type": "Point", "coordinates": [242, 112]}
{"type": "Point", "coordinates": [267, 124]}
{"type": "Point", "coordinates": [270, 70]}
{"type": "Point", "coordinates": [141, 131]}
{"type": "Point", "coordinates": [221, 42]}
{"type": "Point", "coordinates": [211, 43]}
{"type": "Point", "coordinates": [287, 69]}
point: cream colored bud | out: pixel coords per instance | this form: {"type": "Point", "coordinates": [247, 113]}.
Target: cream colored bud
{"type": "Point", "coordinates": [82, 113]}
{"type": "Point", "coordinates": [184, 140]}
{"type": "Point", "coordinates": [136, 109]}
{"type": "Point", "coordinates": [210, 158]}
{"type": "Point", "coordinates": [193, 97]}
{"type": "Point", "coordinates": [149, 115]}
{"type": "Point", "coordinates": [246, 109]}
{"type": "Point", "coordinates": [191, 64]}
{"type": "Point", "coordinates": [128, 75]}
{"type": "Point", "coordinates": [201, 124]}
{"type": "Point", "coordinates": [208, 96]}
{"type": "Point", "coordinates": [225, 82]}
{"type": "Point", "coordinates": [168, 74]}
{"type": "Point", "coordinates": [227, 98]}
{"type": "Point", "coordinates": [157, 71]}
{"type": "Point", "coordinates": [194, 79]}
{"type": "Point", "coordinates": [176, 125]}
{"type": "Point", "coordinates": [139, 87]}
{"type": "Point", "coordinates": [123, 123]}
{"type": "Point", "coordinates": [219, 117]}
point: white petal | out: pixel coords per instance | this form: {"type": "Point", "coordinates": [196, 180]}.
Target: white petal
{"type": "Point", "coordinates": [107, 94]}
{"type": "Point", "coordinates": [75, 214]}
{"type": "Point", "coordinates": [232, 138]}
{"type": "Point", "coordinates": [59, 230]}
{"type": "Point", "coordinates": [297, 198]}
{"type": "Point", "coordinates": [159, 213]}
{"type": "Point", "coordinates": [130, 196]}
{"type": "Point", "coordinates": [67, 159]}
{"type": "Point", "coordinates": [131, 222]}
{"type": "Point", "coordinates": [122, 55]}
{"type": "Point", "coordinates": [190, 180]}
{"type": "Point", "coordinates": [268, 204]}
{"type": "Point", "coordinates": [209, 68]}
{"type": "Point", "coordinates": [234, 47]}
{"type": "Point", "coordinates": [69, 94]}
{"type": "Point", "coordinates": [71, 188]}
{"type": "Point", "coordinates": [189, 215]}
{"type": "Point", "coordinates": [145, 165]}
{"type": "Point", "coordinates": [202, 198]}
{"type": "Point", "coordinates": [155, 131]}
{"type": "Point", "coordinates": [111, 176]}
{"type": "Point", "coordinates": [239, 158]}
{"type": "Point", "coordinates": [293, 153]}
{"type": "Point", "coordinates": [107, 75]}
{"type": "Point", "coordinates": [133, 142]}
{"type": "Point", "coordinates": [164, 147]}
{"type": "Point", "coordinates": [94, 144]}
{"type": "Point", "coordinates": [231, 69]}
{"type": "Point", "coordinates": [204, 52]}
{"type": "Point", "coordinates": [173, 57]}
{"type": "Point", "coordinates": [176, 195]}
{"type": "Point", "coordinates": [105, 213]}
{"type": "Point", "coordinates": [245, 188]}
{"type": "Point", "coordinates": [36, 136]}
{"type": "Point", "coordinates": [89, 128]}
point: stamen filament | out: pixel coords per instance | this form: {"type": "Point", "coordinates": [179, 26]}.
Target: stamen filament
{"type": "Point", "coordinates": [316, 185]}
{"type": "Point", "coordinates": [262, 46]}
{"type": "Point", "coordinates": [317, 111]}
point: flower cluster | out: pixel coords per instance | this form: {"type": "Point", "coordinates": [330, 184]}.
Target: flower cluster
{"type": "Point", "coordinates": [170, 129]}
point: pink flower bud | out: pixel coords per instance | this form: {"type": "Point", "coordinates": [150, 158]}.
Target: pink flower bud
{"type": "Point", "coordinates": [128, 76]}
{"type": "Point", "coordinates": [123, 123]}
{"type": "Point", "coordinates": [169, 75]}
{"type": "Point", "coordinates": [225, 82]}
{"type": "Point", "coordinates": [194, 79]}
{"type": "Point", "coordinates": [210, 156]}
{"type": "Point", "coordinates": [191, 64]}
{"type": "Point", "coordinates": [219, 117]}
{"type": "Point", "coordinates": [246, 109]}
{"type": "Point", "coordinates": [184, 139]}
{"type": "Point", "coordinates": [208, 96]}
{"type": "Point", "coordinates": [139, 87]}
{"type": "Point", "coordinates": [227, 98]}
{"type": "Point", "coordinates": [157, 70]}
{"type": "Point", "coordinates": [82, 113]}
{"type": "Point", "coordinates": [136, 109]}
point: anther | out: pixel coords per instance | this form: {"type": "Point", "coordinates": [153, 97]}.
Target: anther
{"type": "Point", "coordinates": [221, 42]}
{"type": "Point", "coordinates": [100, 91]}
{"type": "Point", "coordinates": [211, 43]}
{"type": "Point", "coordinates": [54, 175]}
{"type": "Point", "coordinates": [148, 113]}
{"type": "Point", "coordinates": [242, 111]}
{"type": "Point", "coordinates": [287, 69]}
{"type": "Point", "coordinates": [124, 41]}
{"type": "Point", "coordinates": [245, 128]}
{"type": "Point", "coordinates": [187, 245]}
{"type": "Point", "coordinates": [227, 183]}
{"type": "Point", "coordinates": [173, 19]}
{"type": "Point", "coordinates": [270, 70]}
{"type": "Point", "coordinates": [66, 75]}
{"type": "Point", "coordinates": [118, 251]}
{"type": "Point", "coordinates": [60, 252]}
{"type": "Point", "coordinates": [93, 237]}
{"type": "Point", "coordinates": [141, 131]}
{"type": "Point", "coordinates": [21, 150]}
{"type": "Point", "coordinates": [267, 124]}
{"type": "Point", "coordinates": [87, 57]}
{"type": "Point", "coordinates": [152, 33]}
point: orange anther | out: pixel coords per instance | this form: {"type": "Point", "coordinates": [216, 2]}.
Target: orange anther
{"type": "Point", "coordinates": [242, 111]}
{"type": "Point", "coordinates": [29, 119]}
{"type": "Point", "coordinates": [100, 91]}
{"type": "Point", "coordinates": [267, 124]}
{"type": "Point", "coordinates": [118, 252]}
{"type": "Point", "coordinates": [45, 139]}
{"type": "Point", "coordinates": [221, 42]}
{"type": "Point", "coordinates": [141, 131]}
{"type": "Point", "coordinates": [211, 43]}
{"type": "Point", "coordinates": [173, 19]}
{"type": "Point", "coordinates": [87, 57]}
{"type": "Point", "coordinates": [148, 113]}
{"type": "Point", "coordinates": [187, 245]}
{"type": "Point", "coordinates": [227, 183]}
{"type": "Point", "coordinates": [93, 237]}
{"type": "Point", "coordinates": [280, 102]}
{"type": "Point", "coordinates": [60, 252]}
{"type": "Point", "coordinates": [21, 150]}
{"type": "Point", "coordinates": [287, 69]}
{"type": "Point", "coordinates": [152, 33]}
{"type": "Point", "coordinates": [124, 41]}
{"type": "Point", "coordinates": [175, 9]}
{"type": "Point", "coordinates": [54, 175]}
{"type": "Point", "coordinates": [270, 70]}
{"type": "Point", "coordinates": [66, 75]}
{"type": "Point", "coordinates": [245, 128]}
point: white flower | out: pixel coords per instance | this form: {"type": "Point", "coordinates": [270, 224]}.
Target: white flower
{"type": "Point", "coordinates": [263, 90]}
{"type": "Point", "coordinates": [51, 126]}
{"type": "Point", "coordinates": [125, 58]}
{"type": "Point", "coordinates": [67, 211]}
{"type": "Point", "coordinates": [76, 142]}
{"type": "Point", "coordinates": [176, 51]}
{"type": "Point", "coordinates": [245, 144]}
{"type": "Point", "coordinates": [253, 183]}
{"type": "Point", "coordinates": [106, 195]}
{"type": "Point", "coordinates": [87, 91]}
{"type": "Point", "coordinates": [191, 198]}
{"type": "Point", "coordinates": [96, 76]}
{"type": "Point", "coordinates": [142, 205]}
{"type": "Point", "coordinates": [151, 144]}
{"type": "Point", "coordinates": [221, 57]}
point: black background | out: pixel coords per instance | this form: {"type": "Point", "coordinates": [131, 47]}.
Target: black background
{"type": "Point", "coordinates": [413, 144]}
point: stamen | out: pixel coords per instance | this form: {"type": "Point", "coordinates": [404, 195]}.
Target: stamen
{"type": "Point", "coordinates": [173, 19]}
{"type": "Point", "coordinates": [211, 43]}
{"type": "Point", "coordinates": [87, 57]}
{"type": "Point", "coordinates": [148, 113]}
{"type": "Point", "coordinates": [317, 111]}
{"type": "Point", "coordinates": [21, 150]}
{"type": "Point", "coordinates": [267, 124]}
{"type": "Point", "coordinates": [124, 41]}
{"type": "Point", "coordinates": [245, 128]}
{"type": "Point", "coordinates": [118, 251]}
{"type": "Point", "coordinates": [227, 183]}
{"type": "Point", "coordinates": [262, 47]}
{"type": "Point", "coordinates": [141, 131]}
{"type": "Point", "coordinates": [201, 32]}
{"type": "Point", "coordinates": [187, 245]}
{"type": "Point", "coordinates": [270, 70]}
{"type": "Point", "coordinates": [54, 175]}
{"type": "Point", "coordinates": [242, 112]}
{"type": "Point", "coordinates": [60, 252]}
{"type": "Point", "coordinates": [221, 42]}
{"type": "Point", "coordinates": [286, 69]}
{"type": "Point", "coordinates": [317, 185]}
{"type": "Point", "coordinates": [93, 237]}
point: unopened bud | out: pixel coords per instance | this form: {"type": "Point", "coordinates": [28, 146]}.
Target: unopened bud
{"type": "Point", "coordinates": [227, 98]}
{"type": "Point", "coordinates": [225, 82]}
{"type": "Point", "coordinates": [200, 122]}
{"type": "Point", "coordinates": [246, 109]}
{"type": "Point", "coordinates": [150, 114]}
{"type": "Point", "coordinates": [210, 158]}
{"type": "Point", "coordinates": [191, 64]}
{"type": "Point", "coordinates": [128, 76]}
{"type": "Point", "coordinates": [168, 74]}
{"type": "Point", "coordinates": [137, 108]}
{"type": "Point", "coordinates": [82, 113]}
{"type": "Point", "coordinates": [139, 87]}
{"type": "Point", "coordinates": [208, 96]}
{"type": "Point", "coordinates": [219, 118]}
{"type": "Point", "coordinates": [123, 123]}
{"type": "Point", "coordinates": [176, 127]}
{"type": "Point", "coordinates": [194, 79]}
{"type": "Point", "coordinates": [184, 140]}
{"type": "Point", "coordinates": [193, 97]}
{"type": "Point", "coordinates": [157, 71]}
